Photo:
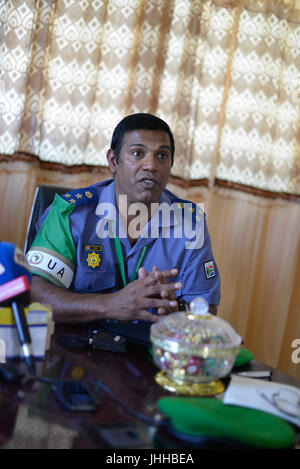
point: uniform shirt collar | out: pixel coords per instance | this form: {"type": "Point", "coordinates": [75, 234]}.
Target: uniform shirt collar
{"type": "Point", "coordinates": [162, 218]}
{"type": "Point", "coordinates": [108, 195]}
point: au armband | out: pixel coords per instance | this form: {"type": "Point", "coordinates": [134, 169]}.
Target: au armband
{"type": "Point", "coordinates": [50, 265]}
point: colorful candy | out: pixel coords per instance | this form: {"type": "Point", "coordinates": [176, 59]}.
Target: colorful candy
{"type": "Point", "coordinates": [186, 368]}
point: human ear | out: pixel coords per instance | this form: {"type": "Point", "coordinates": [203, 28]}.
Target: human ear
{"type": "Point", "coordinates": [112, 161]}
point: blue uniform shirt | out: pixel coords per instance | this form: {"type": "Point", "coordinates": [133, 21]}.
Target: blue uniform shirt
{"type": "Point", "coordinates": [78, 253]}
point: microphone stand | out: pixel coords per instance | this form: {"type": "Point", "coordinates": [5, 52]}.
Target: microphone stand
{"type": "Point", "coordinates": [24, 334]}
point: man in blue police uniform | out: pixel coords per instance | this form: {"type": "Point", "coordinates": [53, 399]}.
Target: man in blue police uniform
{"type": "Point", "coordinates": [125, 249]}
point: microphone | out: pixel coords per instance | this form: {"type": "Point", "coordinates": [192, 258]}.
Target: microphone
{"type": "Point", "coordinates": [15, 280]}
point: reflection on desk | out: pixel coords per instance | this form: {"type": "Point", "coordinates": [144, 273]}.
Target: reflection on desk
{"type": "Point", "coordinates": [32, 417]}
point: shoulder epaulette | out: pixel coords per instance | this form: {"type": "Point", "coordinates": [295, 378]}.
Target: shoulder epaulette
{"type": "Point", "coordinates": [80, 197]}
{"type": "Point", "coordinates": [186, 206]}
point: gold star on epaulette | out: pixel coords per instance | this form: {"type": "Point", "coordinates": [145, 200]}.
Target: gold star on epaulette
{"type": "Point", "coordinates": [72, 201]}
{"type": "Point", "coordinates": [191, 209]}
{"type": "Point", "coordinates": [79, 196]}
{"type": "Point", "coordinates": [180, 205]}
{"type": "Point", "coordinates": [67, 195]}
{"type": "Point", "coordinates": [199, 214]}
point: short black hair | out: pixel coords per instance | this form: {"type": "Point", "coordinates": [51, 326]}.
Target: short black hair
{"type": "Point", "coordinates": [139, 121]}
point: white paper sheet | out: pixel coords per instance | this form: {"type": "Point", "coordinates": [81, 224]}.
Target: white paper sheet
{"type": "Point", "coordinates": [245, 392]}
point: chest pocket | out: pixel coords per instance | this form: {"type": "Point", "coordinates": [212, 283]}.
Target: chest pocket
{"type": "Point", "coordinates": [99, 281]}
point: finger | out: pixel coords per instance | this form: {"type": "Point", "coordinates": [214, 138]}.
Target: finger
{"type": "Point", "coordinates": [165, 311]}
{"type": "Point", "coordinates": [159, 277]}
{"type": "Point", "coordinates": [157, 288]}
{"type": "Point", "coordinates": [157, 303]}
{"type": "Point", "coordinates": [155, 272]}
{"type": "Point", "coordinates": [150, 280]}
{"type": "Point", "coordinates": [169, 273]}
{"type": "Point", "coordinates": [165, 294]}
{"type": "Point", "coordinates": [156, 276]}
{"type": "Point", "coordinates": [144, 315]}
{"type": "Point", "coordinates": [171, 295]}
{"type": "Point", "coordinates": [142, 273]}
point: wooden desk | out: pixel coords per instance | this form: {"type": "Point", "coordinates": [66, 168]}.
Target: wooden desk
{"type": "Point", "coordinates": [31, 416]}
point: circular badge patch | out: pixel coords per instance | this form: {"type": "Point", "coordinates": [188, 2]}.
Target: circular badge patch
{"type": "Point", "coordinates": [36, 258]}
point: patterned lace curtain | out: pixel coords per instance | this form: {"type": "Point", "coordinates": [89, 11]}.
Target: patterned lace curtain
{"type": "Point", "coordinates": [224, 74]}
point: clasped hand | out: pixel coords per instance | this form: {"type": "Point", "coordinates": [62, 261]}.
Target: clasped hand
{"type": "Point", "coordinates": [150, 290]}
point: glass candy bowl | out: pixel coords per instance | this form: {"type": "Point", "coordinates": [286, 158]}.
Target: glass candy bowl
{"type": "Point", "coordinates": [194, 349]}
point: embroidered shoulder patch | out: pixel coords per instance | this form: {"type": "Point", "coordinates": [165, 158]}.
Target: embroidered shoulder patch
{"type": "Point", "coordinates": [209, 269]}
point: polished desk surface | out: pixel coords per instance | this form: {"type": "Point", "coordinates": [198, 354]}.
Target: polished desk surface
{"type": "Point", "coordinates": [32, 417]}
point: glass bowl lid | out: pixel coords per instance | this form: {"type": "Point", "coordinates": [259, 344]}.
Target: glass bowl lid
{"type": "Point", "coordinates": [194, 330]}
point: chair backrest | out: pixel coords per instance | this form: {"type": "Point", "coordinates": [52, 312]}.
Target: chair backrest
{"type": "Point", "coordinates": [43, 197]}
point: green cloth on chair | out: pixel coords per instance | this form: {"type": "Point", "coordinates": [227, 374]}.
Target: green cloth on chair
{"type": "Point", "coordinates": [210, 417]}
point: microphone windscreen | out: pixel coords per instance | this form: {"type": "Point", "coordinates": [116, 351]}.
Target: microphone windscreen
{"type": "Point", "coordinates": [13, 263]}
